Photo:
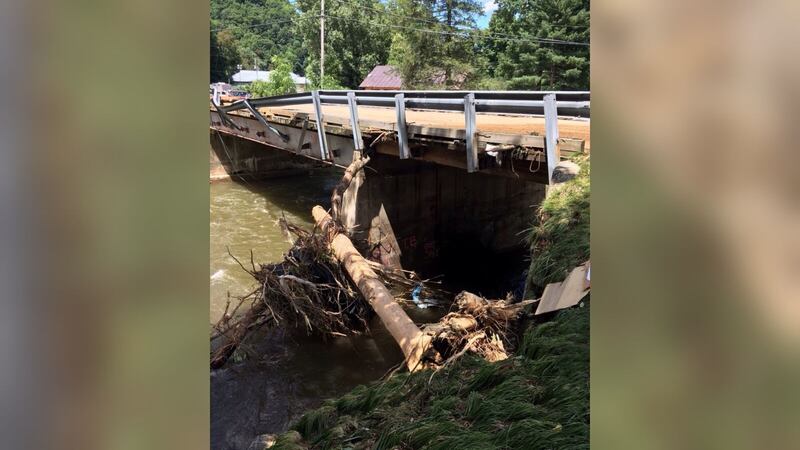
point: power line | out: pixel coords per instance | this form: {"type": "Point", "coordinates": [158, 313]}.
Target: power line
{"type": "Point", "coordinates": [461, 34]}
{"type": "Point", "coordinates": [383, 12]}
{"type": "Point", "coordinates": [387, 13]}
{"type": "Point", "coordinates": [510, 36]}
{"type": "Point", "coordinates": [259, 25]}
{"type": "Point", "coordinates": [436, 22]}
{"type": "Point", "coordinates": [464, 34]}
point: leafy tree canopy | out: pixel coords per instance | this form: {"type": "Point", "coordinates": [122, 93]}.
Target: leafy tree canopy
{"type": "Point", "coordinates": [527, 62]}
{"type": "Point", "coordinates": [280, 79]}
{"type": "Point", "coordinates": [356, 40]}
{"type": "Point", "coordinates": [224, 56]}
{"type": "Point", "coordinates": [259, 30]}
{"type": "Point", "coordinates": [437, 45]}
{"type": "Point", "coordinates": [433, 43]}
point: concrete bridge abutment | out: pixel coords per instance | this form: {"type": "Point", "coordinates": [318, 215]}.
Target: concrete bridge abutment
{"type": "Point", "coordinates": [441, 216]}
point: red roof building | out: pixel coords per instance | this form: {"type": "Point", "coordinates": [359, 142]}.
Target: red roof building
{"type": "Point", "coordinates": [382, 78]}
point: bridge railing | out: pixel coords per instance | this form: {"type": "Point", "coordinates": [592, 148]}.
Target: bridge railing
{"type": "Point", "coordinates": [550, 104]}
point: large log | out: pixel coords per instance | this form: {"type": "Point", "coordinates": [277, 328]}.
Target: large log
{"type": "Point", "coordinates": [412, 341]}
{"type": "Point", "coordinates": [350, 173]}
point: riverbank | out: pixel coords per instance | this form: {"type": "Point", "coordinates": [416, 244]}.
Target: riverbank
{"type": "Point", "coordinates": [536, 399]}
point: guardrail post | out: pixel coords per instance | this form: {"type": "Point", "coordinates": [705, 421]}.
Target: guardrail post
{"type": "Point", "coordinates": [323, 140]}
{"type": "Point", "coordinates": [351, 102]}
{"type": "Point", "coordinates": [551, 134]}
{"type": "Point", "coordinates": [402, 131]}
{"type": "Point", "coordinates": [471, 133]}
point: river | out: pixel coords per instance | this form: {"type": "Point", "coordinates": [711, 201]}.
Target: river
{"type": "Point", "coordinates": [292, 372]}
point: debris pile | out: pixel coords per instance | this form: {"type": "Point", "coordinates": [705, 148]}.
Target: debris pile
{"type": "Point", "coordinates": [479, 326]}
{"type": "Point", "coordinates": [312, 290]}
{"type": "Point", "coordinates": [308, 289]}
{"type": "Point", "coordinates": [326, 286]}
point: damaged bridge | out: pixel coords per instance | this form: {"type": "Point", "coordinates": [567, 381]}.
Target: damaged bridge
{"type": "Point", "coordinates": [446, 167]}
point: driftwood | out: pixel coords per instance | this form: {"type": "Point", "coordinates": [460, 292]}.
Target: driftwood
{"type": "Point", "coordinates": [344, 183]}
{"type": "Point", "coordinates": [479, 325]}
{"type": "Point", "coordinates": [326, 287]}
{"type": "Point", "coordinates": [405, 332]}
{"type": "Point", "coordinates": [308, 290]}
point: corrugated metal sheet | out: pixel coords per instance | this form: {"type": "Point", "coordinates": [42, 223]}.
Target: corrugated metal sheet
{"type": "Point", "coordinates": [382, 77]}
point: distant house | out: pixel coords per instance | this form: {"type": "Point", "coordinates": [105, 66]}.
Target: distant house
{"type": "Point", "coordinates": [382, 78]}
{"type": "Point", "coordinates": [387, 78]}
{"type": "Point", "coordinates": [248, 76]}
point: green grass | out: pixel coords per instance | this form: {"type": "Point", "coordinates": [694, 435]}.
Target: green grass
{"type": "Point", "coordinates": [559, 240]}
{"type": "Point", "coordinates": [537, 399]}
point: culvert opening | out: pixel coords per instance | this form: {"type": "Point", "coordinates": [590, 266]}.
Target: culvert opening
{"type": "Point", "coordinates": [466, 264]}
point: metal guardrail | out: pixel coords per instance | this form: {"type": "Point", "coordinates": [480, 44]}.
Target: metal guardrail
{"type": "Point", "coordinates": [547, 103]}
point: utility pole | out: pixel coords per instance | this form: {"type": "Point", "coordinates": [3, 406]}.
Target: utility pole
{"type": "Point", "coordinates": [322, 43]}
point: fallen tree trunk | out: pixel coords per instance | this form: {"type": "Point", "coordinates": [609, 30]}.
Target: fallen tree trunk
{"type": "Point", "coordinates": [412, 341]}
{"type": "Point", "coordinates": [344, 183]}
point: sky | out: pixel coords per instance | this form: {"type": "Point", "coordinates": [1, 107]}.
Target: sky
{"type": "Point", "coordinates": [489, 6]}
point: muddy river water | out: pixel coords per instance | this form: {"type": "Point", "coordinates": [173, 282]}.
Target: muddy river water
{"type": "Point", "coordinates": [290, 372]}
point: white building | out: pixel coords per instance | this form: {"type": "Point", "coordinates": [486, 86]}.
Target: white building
{"type": "Point", "coordinates": [248, 76]}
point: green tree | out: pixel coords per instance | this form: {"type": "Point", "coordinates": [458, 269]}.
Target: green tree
{"type": "Point", "coordinates": [258, 88]}
{"type": "Point", "coordinates": [280, 79]}
{"type": "Point", "coordinates": [438, 45]}
{"type": "Point", "coordinates": [356, 40]}
{"type": "Point", "coordinates": [524, 59]}
{"type": "Point", "coordinates": [261, 29]}
{"type": "Point", "coordinates": [329, 83]}
{"type": "Point", "coordinates": [224, 56]}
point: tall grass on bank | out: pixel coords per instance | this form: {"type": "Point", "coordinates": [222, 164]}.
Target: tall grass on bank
{"type": "Point", "coordinates": [559, 240]}
{"type": "Point", "coordinates": [536, 399]}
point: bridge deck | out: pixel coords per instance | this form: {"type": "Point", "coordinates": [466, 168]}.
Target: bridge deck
{"type": "Point", "coordinates": [517, 144]}
{"type": "Point", "coordinates": [380, 117]}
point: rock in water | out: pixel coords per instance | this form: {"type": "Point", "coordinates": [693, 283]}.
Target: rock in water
{"type": "Point", "coordinates": [565, 171]}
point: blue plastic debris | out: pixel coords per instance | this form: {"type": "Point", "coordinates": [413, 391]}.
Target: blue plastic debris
{"type": "Point", "coordinates": [415, 293]}
{"type": "Point", "coordinates": [422, 303]}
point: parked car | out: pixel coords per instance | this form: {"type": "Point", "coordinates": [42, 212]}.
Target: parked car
{"type": "Point", "coordinates": [233, 96]}
{"type": "Point", "coordinates": [239, 95]}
